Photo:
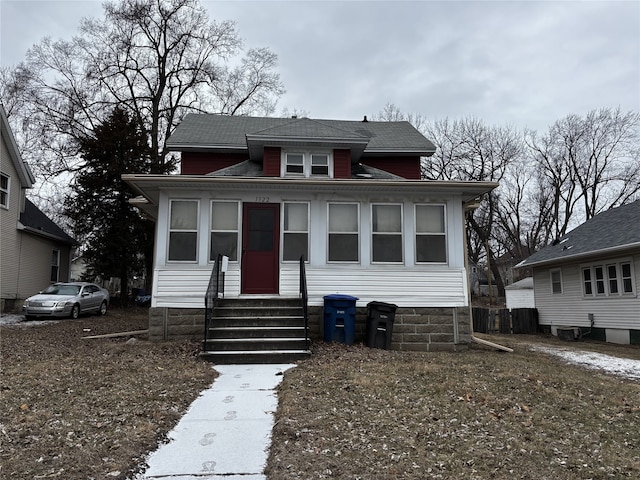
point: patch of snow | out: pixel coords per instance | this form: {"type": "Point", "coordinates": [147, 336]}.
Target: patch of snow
{"type": "Point", "coordinates": [625, 367]}
{"type": "Point", "coordinates": [19, 320]}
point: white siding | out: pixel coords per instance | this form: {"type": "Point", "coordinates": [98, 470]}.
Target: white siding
{"type": "Point", "coordinates": [438, 287]}
{"type": "Point", "coordinates": [572, 308]}
{"type": "Point", "coordinates": [406, 284]}
{"type": "Point", "coordinates": [520, 298]}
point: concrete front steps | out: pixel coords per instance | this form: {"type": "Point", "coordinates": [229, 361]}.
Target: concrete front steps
{"type": "Point", "coordinates": [256, 330]}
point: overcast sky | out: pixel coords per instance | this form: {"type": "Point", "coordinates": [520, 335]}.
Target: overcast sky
{"type": "Point", "coordinates": [521, 63]}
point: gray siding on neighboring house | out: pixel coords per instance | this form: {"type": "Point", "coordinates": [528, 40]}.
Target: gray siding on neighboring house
{"type": "Point", "coordinates": [572, 308]}
{"type": "Point", "coordinates": [9, 243]}
{"type": "Point", "coordinates": [35, 264]}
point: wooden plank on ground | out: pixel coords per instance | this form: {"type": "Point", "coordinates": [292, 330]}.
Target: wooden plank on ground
{"type": "Point", "coordinates": [491, 344]}
{"type": "Point", "coordinates": [121, 334]}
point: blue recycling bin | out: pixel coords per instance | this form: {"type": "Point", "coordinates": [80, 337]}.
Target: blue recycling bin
{"type": "Point", "coordinates": [340, 318]}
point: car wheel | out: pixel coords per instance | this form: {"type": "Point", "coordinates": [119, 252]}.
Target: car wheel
{"type": "Point", "coordinates": [75, 312]}
{"type": "Point", "coordinates": [103, 308]}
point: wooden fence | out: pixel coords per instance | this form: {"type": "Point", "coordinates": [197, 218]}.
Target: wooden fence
{"type": "Point", "coordinates": [501, 320]}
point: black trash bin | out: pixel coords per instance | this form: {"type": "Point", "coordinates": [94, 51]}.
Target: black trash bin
{"type": "Point", "coordinates": [340, 318]}
{"type": "Point", "coordinates": [380, 318]}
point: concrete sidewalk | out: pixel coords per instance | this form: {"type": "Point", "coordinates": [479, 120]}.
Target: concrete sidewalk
{"type": "Point", "coordinates": [226, 433]}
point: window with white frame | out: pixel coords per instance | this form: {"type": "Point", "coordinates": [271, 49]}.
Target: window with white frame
{"type": "Point", "coordinates": [224, 229]}
{"type": "Point", "coordinates": [610, 280]}
{"type": "Point", "coordinates": [556, 281]}
{"type": "Point", "coordinates": [4, 190]}
{"type": "Point", "coordinates": [386, 233]}
{"type": "Point", "coordinates": [344, 232]}
{"type": "Point", "coordinates": [295, 231]}
{"type": "Point", "coordinates": [307, 164]}
{"type": "Point", "coordinates": [627, 278]}
{"type": "Point", "coordinates": [55, 265]}
{"type": "Point", "coordinates": [183, 231]}
{"type": "Point", "coordinates": [294, 164]}
{"type": "Point", "coordinates": [431, 236]}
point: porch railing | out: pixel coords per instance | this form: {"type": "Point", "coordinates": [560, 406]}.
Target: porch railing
{"type": "Point", "coordinates": [305, 300]}
{"type": "Point", "coordinates": [215, 290]}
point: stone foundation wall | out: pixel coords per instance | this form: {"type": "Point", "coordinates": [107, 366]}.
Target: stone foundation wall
{"type": "Point", "coordinates": [414, 329]}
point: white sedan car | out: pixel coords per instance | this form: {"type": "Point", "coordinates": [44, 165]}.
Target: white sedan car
{"type": "Point", "coordinates": [62, 300]}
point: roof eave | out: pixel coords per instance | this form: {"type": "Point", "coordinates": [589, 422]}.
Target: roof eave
{"type": "Point", "coordinates": [149, 185]}
{"type": "Point", "coordinates": [579, 256]}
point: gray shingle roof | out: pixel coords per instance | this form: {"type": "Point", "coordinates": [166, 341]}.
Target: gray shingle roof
{"type": "Point", "coordinates": [223, 131]}
{"type": "Point", "coordinates": [37, 222]}
{"type": "Point", "coordinates": [253, 169]}
{"type": "Point", "coordinates": [611, 230]}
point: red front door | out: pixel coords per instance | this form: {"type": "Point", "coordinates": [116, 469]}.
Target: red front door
{"type": "Point", "coordinates": [260, 247]}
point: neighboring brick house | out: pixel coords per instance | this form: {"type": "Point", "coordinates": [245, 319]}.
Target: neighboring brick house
{"type": "Point", "coordinates": [345, 194]}
{"type": "Point", "coordinates": [34, 251]}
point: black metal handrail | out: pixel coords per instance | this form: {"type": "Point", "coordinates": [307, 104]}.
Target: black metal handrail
{"type": "Point", "coordinates": [214, 289]}
{"type": "Point", "coordinates": [305, 300]}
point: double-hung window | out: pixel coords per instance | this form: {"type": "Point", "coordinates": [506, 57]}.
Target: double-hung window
{"type": "Point", "coordinates": [431, 236]}
{"type": "Point", "coordinates": [320, 164]}
{"type": "Point", "coordinates": [294, 164]}
{"type": "Point", "coordinates": [183, 230]}
{"type": "Point", "coordinates": [4, 190]}
{"type": "Point", "coordinates": [386, 233]}
{"type": "Point", "coordinates": [307, 164]}
{"type": "Point", "coordinates": [55, 265]}
{"type": "Point", "coordinates": [613, 279]}
{"type": "Point", "coordinates": [295, 236]}
{"type": "Point", "coordinates": [224, 230]}
{"type": "Point", "coordinates": [344, 232]}
{"type": "Point", "coordinates": [556, 281]}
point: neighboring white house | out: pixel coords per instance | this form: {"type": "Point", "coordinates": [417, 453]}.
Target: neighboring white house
{"type": "Point", "coordinates": [589, 278]}
{"type": "Point", "coordinates": [34, 251]}
{"type": "Point", "coordinates": [520, 294]}
{"type": "Point", "coordinates": [345, 194]}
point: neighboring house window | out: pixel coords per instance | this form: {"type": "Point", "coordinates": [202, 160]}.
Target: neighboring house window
{"type": "Point", "coordinates": [556, 281]}
{"type": "Point", "coordinates": [386, 233]}
{"type": "Point", "coordinates": [183, 230]}
{"type": "Point", "coordinates": [614, 279]}
{"type": "Point", "coordinates": [55, 265]}
{"type": "Point", "coordinates": [344, 233]}
{"type": "Point", "coordinates": [587, 282]}
{"type": "Point", "coordinates": [295, 241]}
{"type": "Point", "coordinates": [4, 190]}
{"type": "Point", "coordinates": [431, 238]}
{"type": "Point", "coordinates": [224, 230]}
{"type": "Point", "coordinates": [307, 164]}
{"type": "Point", "coordinates": [627, 277]}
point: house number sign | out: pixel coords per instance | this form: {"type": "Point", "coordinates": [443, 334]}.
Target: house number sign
{"type": "Point", "coordinates": [262, 199]}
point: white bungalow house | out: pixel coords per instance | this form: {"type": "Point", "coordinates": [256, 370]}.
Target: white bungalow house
{"type": "Point", "coordinates": [347, 195]}
{"type": "Point", "coordinates": [589, 278]}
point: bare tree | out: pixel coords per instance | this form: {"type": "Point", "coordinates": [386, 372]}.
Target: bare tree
{"type": "Point", "coordinates": [157, 59]}
{"type": "Point", "coordinates": [591, 161]}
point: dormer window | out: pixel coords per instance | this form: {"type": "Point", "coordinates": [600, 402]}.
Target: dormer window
{"type": "Point", "coordinates": [320, 164]}
{"type": "Point", "coordinates": [295, 164]}
{"type": "Point", "coordinates": [307, 164]}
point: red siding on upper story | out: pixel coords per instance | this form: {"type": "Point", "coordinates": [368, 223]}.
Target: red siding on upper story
{"type": "Point", "coordinates": [201, 163]}
{"type": "Point", "coordinates": [406, 167]}
{"type": "Point", "coordinates": [342, 163]}
{"type": "Point", "coordinates": [271, 162]}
